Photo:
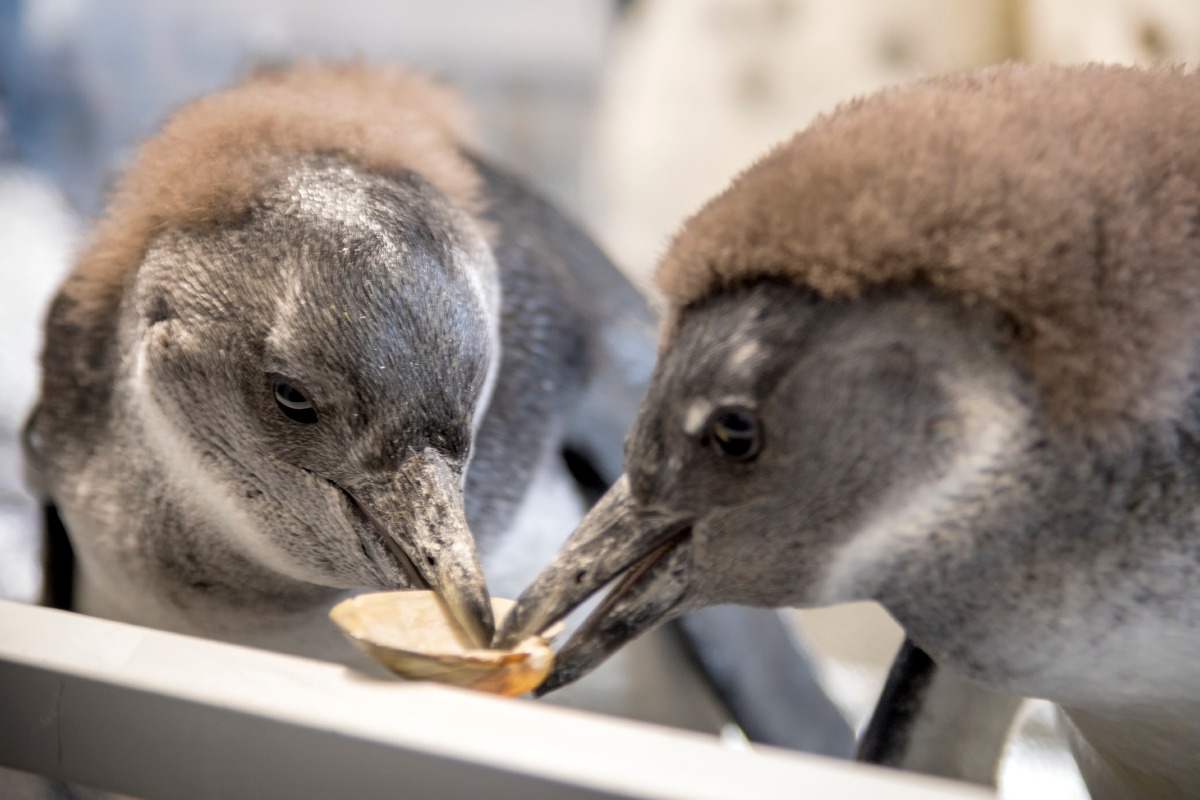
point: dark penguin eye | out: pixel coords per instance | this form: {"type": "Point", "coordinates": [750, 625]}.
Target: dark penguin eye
{"type": "Point", "coordinates": [734, 431]}
{"type": "Point", "coordinates": [294, 405]}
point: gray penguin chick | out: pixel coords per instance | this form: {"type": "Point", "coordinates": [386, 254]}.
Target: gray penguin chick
{"type": "Point", "coordinates": [317, 345]}
{"type": "Point", "coordinates": [940, 351]}
{"type": "Point", "coordinates": [277, 368]}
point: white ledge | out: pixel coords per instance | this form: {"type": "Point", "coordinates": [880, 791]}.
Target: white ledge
{"type": "Point", "coordinates": [159, 715]}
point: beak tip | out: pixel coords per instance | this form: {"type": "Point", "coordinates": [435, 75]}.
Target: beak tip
{"type": "Point", "coordinates": [552, 683]}
{"type": "Point", "coordinates": [476, 617]}
{"type": "Point", "coordinates": [488, 629]}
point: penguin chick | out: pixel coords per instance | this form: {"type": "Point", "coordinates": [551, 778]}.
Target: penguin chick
{"type": "Point", "coordinates": [269, 376]}
{"type": "Point", "coordinates": [939, 351]}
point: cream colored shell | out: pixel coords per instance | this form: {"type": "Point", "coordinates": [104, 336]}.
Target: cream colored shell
{"type": "Point", "coordinates": [413, 634]}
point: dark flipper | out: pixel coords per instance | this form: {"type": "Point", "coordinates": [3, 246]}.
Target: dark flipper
{"type": "Point", "coordinates": [544, 345]}
{"type": "Point", "coordinates": [58, 562]}
{"type": "Point", "coordinates": [591, 484]}
{"type": "Point", "coordinates": [885, 740]}
{"type": "Point", "coordinates": [929, 720]}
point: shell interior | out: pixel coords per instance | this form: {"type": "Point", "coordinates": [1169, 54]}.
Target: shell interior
{"type": "Point", "coordinates": [414, 634]}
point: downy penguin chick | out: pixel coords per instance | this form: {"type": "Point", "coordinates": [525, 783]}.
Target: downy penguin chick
{"type": "Point", "coordinates": [278, 370]}
{"type": "Point", "coordinates": [939, 350]}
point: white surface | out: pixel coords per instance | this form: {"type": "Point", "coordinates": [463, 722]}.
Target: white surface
{"type": "Point", "coordinates": [1037, 762]}
{"type": "Point", "coordinates": [158, 714]}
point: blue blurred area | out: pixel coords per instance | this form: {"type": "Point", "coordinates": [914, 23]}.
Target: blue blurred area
{"type": "Point", "coordinates": [84, 81]}
{"type": "Point", "coordinates": [9, 24]}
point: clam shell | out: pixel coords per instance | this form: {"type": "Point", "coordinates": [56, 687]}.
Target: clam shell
{"type": "Point", "coordinates": [413, 634]}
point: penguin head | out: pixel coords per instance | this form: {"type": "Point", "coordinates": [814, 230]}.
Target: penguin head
{"type": "Point", "coordinates": [330, 355]}
{"type": "Point", "coordinates": [793, 452]}
{"type": "Point", "coordinates": [909, 355]}
{"type": "Point", "coordinates": [790, 423]}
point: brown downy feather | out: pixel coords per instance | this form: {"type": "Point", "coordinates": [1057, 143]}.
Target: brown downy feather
{"type": "Point", "coordinates": [1066, 198]}
{"type": "Point", "coordinates": [218, 153]}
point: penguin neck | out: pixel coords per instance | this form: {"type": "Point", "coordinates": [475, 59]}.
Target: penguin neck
{"type": "Point", "coordinates": [1103, 627]}
{"type": "Point", "coordinates": [1110, 649]}
{"type": "Point", "coordinates": [179, 572]}
{"type": "Point", "coordinates": [299, 627]}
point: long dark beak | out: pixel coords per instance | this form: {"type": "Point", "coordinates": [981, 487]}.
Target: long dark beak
{"type": "Point", "coordinates": [652, 552]}
{"type": "Point", "coordinates": [421, 518]}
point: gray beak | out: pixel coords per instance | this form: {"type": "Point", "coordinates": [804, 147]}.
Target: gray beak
{"type": "Point", "coordinates": [421, 518]}
{"type": "Point", "coordinates": [651, 552]}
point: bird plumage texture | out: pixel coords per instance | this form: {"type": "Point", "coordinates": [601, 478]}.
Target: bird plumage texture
{"type": "Point", "coordinates": [213, 158]}
{"type": "Point", "coordinates": [1068, 199]}
{"type": "Point", "coordinates": [330, 222]}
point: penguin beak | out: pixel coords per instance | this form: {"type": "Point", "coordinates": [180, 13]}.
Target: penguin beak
{"type": "Point", "coordinates": [649, 551]}
{"type": "Point", "coordinates": [421, 518]}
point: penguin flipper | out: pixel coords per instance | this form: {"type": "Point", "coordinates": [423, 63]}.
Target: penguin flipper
{"type": "Point", "coordinates": [58, 562]}
{"type": "Point", "coordinates": [621, 356]}
{"type": "Point", "coordinates": [57, 556]}
{"type": "Point", "coordinates": [930, 720]}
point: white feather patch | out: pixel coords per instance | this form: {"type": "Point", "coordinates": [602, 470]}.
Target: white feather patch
{"type": "Point", "coordinates": [191, 478]}
{"type": "Point", "coordinates": [991, 429]}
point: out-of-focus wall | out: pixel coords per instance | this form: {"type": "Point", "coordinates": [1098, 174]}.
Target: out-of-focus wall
{"type": "Point", "coordinates": [1122, 31]}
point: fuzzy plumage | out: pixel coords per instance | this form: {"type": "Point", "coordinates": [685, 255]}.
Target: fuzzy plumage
{"type": "Point", "coordinates": [216, 156]}
{"type": "Point", "coordinates": [1066, 198]}
{"type": "Point", "coordinates": [235, 248]}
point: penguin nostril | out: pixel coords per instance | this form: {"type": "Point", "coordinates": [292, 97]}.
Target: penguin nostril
{"type": "Point", "coordinates": [431, 561]}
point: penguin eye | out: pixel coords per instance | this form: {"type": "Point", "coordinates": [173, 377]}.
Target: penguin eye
{"type": "Point", "coordinates": [734, 431]}
{"type": "Point", "coordinates": [294, 405]}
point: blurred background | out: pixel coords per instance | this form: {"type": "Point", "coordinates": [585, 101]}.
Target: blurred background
{"type": "Point", "coordinates": [628, 114]}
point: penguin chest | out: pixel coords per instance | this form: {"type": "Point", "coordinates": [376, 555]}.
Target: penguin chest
{"type": "Point", "coordinates": [549, 511]}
